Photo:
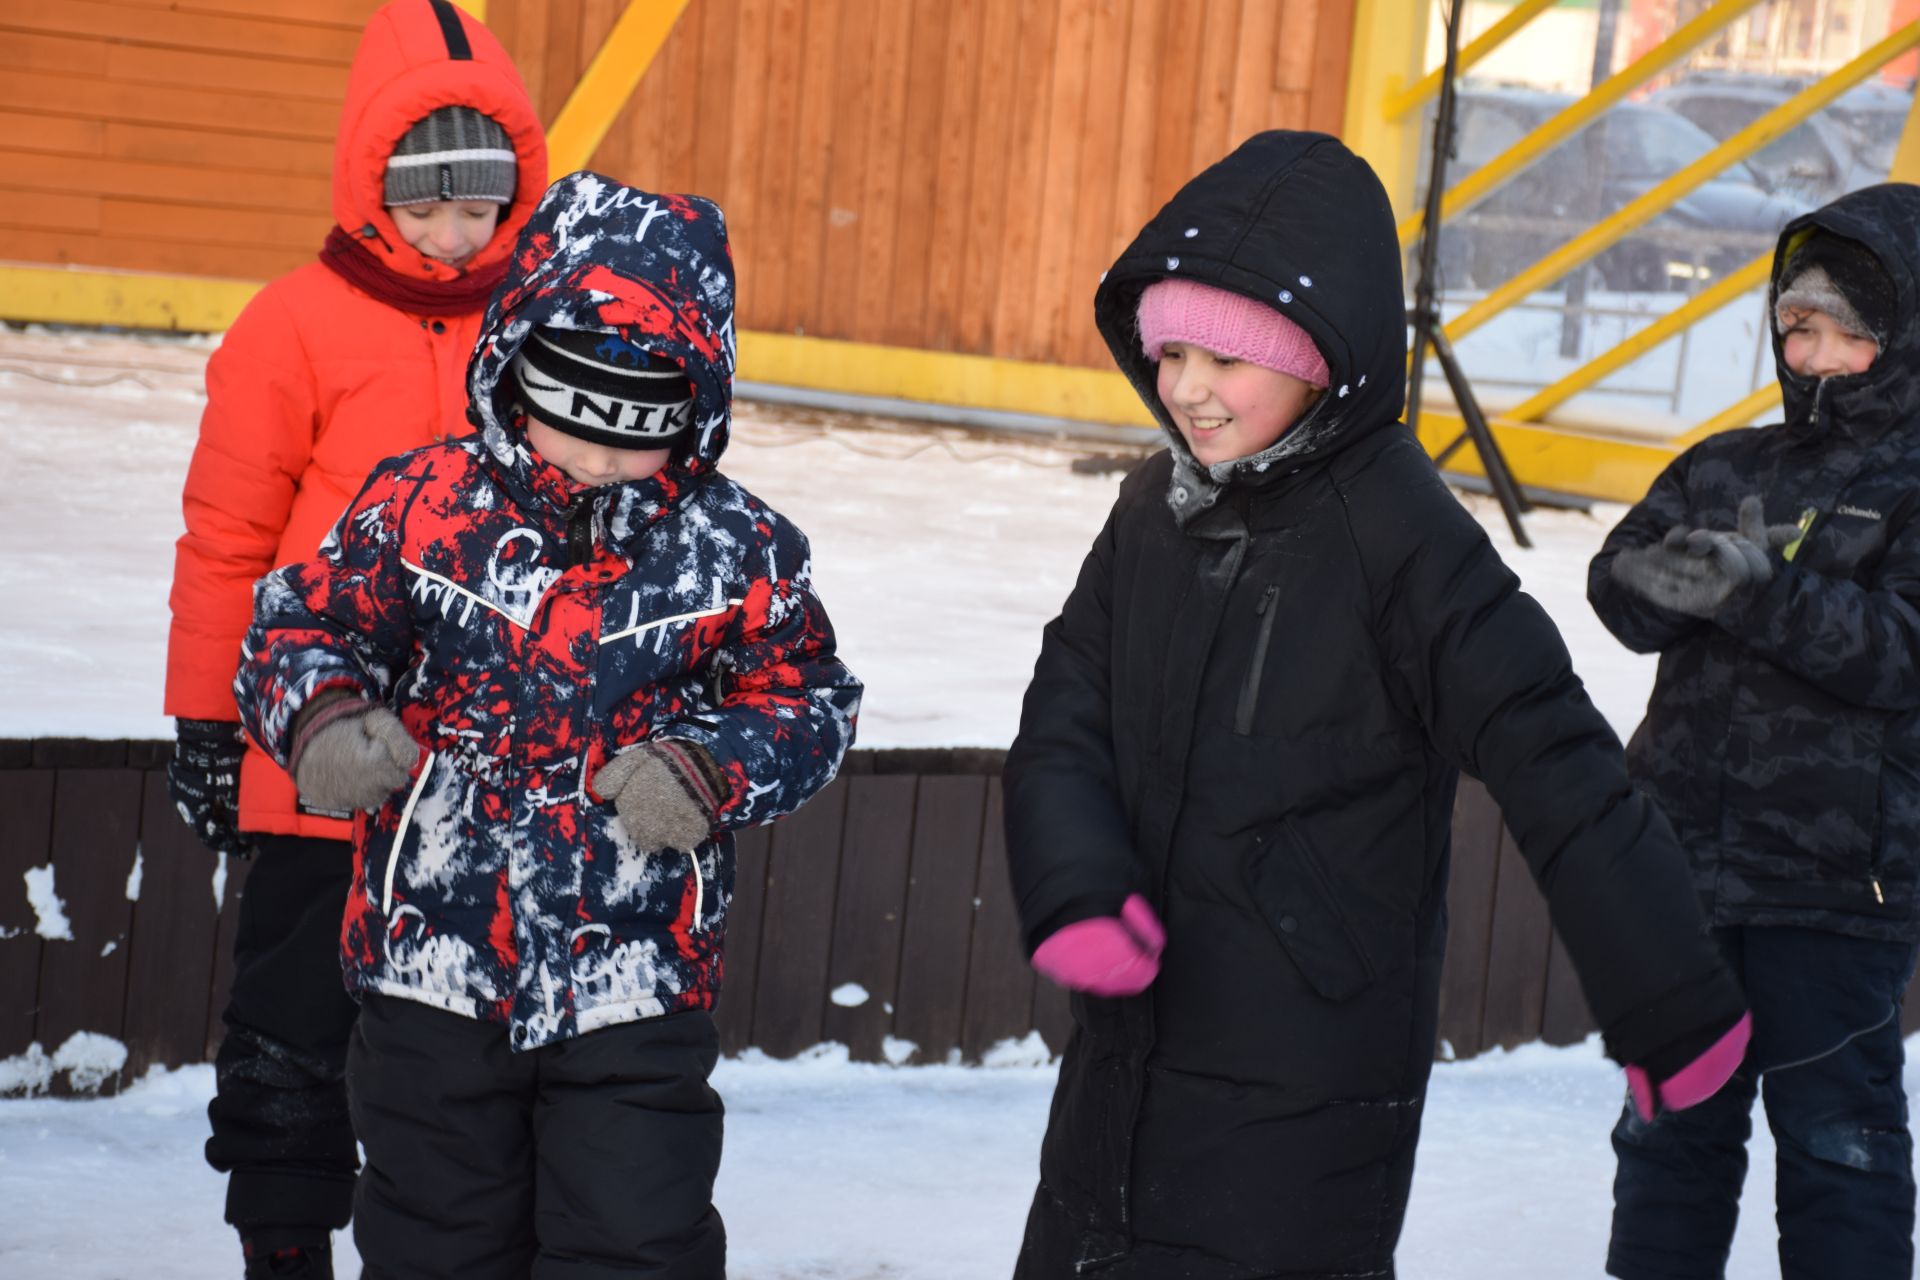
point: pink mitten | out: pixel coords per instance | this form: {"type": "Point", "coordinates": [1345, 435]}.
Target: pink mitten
{"type": "Point", "coordinates": [1695, 1082]}
{"type": "Point", "coordinates": [1107, 955]}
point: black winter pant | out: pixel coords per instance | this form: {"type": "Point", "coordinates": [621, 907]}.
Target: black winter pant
{"type": "Point", "coordinates": [588, 1159]}
{"type": "Point", "coordinates": [280, 1126]}
{"type": "Point", "coordinates": [1826, 1055]}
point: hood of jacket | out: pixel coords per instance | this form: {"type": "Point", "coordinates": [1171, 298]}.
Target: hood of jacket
{"type": "Point", "coordinates": [415, 57]}
{"type": "Point", "coordinates": [1886, 396]}
{"type": "Point", "coordinates": [655, 269]}
{"type": "Point", "coordinates": [1299, 223]}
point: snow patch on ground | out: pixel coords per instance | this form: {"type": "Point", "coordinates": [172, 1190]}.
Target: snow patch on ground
{"type": "Point", "coordinates": [87, 1058]}
{"type": "Point", "coordinates": [49, 912]}
{"type": "Point", "coordinates": [26, 1073]}
{"type": "Point", "coordinates": [855, 1170]}
{"type": "Point", "coordinates": [1028, 1051]}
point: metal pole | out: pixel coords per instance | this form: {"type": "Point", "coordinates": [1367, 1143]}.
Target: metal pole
{"type": "Point", "coordinates": [1427, 330]}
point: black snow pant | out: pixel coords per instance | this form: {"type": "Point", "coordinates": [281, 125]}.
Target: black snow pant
{"type": "Point", "coordinates": [587, 1159]}
{"type": "Point", "coordinates": [280, 1126]}
{"type": "Point", "coordinates": [1826, 1055]}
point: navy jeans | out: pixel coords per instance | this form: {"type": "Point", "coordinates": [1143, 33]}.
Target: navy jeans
{"type": "Point", "coordinates": [1827, 1058]}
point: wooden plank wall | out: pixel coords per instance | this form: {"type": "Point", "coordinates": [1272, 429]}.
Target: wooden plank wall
{"type": "Point", "coordinates": [879, 916]}
{"type": "Point", "coordinates": [138, 134]}
{"type": "Point", "coordinates": [943, 174]}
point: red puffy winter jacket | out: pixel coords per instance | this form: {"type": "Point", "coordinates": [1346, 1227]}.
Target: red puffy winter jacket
{"type": "Point", "coordinates": [317, 381]}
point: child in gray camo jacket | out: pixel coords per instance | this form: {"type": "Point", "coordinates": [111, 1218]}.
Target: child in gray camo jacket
{"type": "Point", "coordinates": [1777, 574]}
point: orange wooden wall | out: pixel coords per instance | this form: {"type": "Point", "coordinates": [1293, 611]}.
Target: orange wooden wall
{"type": "Point", "coordinates": [133, 134]}
{"type": "Point", "coordinates": [944, 174]}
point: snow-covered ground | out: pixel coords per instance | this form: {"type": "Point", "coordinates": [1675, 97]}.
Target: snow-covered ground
{"type": "Point", "coordinates": [844, 1171]}
{"type": "Point", "coordinates": [939, 555]}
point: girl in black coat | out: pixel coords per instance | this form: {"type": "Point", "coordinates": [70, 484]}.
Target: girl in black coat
{"type": "Point", "coordinates": [1229, 803]}
{"type": "Point", "coordinates": [1777, 574]}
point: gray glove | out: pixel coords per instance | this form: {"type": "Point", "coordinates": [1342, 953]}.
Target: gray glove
{"type": "Point", "coordinates": [666, 792]}
{"type": "Point", "coordinates": [1696, 571]}
{"type": "Point", "coordinates": [349, 753]}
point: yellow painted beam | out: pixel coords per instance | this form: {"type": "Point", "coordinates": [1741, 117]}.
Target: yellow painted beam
{"type": "Point", "coordinates": [478, 8]}
{"type": "Point", "coordinates": [1540, 457]}
{"type": "Point", "coordinates": [938, 377]}
{"type": "Point", "coordinates": [133, 300]}
{"type": "Point", "coordinates": [1906, 160]}
{"type": "Point", "coordinates": [1703, 304]}
{"type": "Point", "coordinates": [1400, 104]}
{"type": "Point", "coordinates": [57, 295]}
{"type": "Point", "coordinates": [609, 81]}
{"type": "Point", "coordinates": [1577, 115]}
{"type": "Point", "coordinates": [1598, 238]}
{"type": "Point", "coordinates": [1737, 414]}
{"type": "Point", "coordinates": [1388, 51]}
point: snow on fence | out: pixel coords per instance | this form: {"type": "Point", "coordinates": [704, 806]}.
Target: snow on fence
{"type": "Point", "coordinates": [879, 916]}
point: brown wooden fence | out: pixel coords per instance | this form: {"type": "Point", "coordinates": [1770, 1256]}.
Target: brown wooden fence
{"type": "Point", "coordinates": [944, 174]}
{"type": "Point", "coordinates": [894, 879]}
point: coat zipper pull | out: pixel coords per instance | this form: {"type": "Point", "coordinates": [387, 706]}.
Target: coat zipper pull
{"type": "Point", "coordinates": [1266, 598]}
{"type": "Point", "coordinates": [1878, 897]}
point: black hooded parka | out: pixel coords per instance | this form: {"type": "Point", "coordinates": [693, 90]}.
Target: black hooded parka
{"type": "Point", "coordinates": [1253, 709]}
{"type": "Point", "coordinates": [1783, 734]}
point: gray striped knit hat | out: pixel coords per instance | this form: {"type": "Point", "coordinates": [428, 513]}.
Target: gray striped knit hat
{"type": "Point", "coordinates": [455, 153]}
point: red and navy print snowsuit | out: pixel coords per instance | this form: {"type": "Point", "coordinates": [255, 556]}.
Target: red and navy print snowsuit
{"type": "Point", "coordinates": [526, 634]}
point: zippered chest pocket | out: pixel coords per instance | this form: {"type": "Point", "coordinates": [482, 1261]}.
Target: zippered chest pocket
{"type": "Point", "coordinates": [1249, 700]}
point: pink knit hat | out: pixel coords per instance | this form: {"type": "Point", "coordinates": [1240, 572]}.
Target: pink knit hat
{"type": "Point", "coordinates": [1230, 325]}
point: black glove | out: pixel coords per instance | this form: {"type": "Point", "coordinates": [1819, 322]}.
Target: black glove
{"type": "Point", "coordinates": [204, 780]}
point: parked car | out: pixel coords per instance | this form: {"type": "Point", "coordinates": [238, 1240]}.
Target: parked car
{"type": "Point", "coordinates": [1717, 227]}
{"type": "Point", "coordinates": [1843, 148]}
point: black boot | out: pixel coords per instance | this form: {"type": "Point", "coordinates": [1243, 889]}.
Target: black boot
{"type": "Point", "coordinates": [267, 1259]}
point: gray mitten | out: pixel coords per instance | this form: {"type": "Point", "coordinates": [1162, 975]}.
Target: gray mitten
{"type": "Point", "coordinates": [349, 753]}
{"type": "Point", "coordinates": [1696, 571]}
{"type": "Point", "coordinates": [666, 791]}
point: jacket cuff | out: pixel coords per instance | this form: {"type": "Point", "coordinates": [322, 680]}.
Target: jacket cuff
{"type": "Point", "coordinates": [1750, 611]}
{"type": "Point", "coordinates": [698, 774]}
{"type": "Point", "coordinates": [1661, 1028]}
{"type": "Point", "coordinates": [322, 709]}
{"type": "Point", "coordinates": [1089, 908]}
{"type": "Point", "coordinates": [218, 731]}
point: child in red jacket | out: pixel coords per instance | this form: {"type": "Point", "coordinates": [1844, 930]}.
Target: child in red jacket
{"type": "Point", "coordinates": [329, 369]}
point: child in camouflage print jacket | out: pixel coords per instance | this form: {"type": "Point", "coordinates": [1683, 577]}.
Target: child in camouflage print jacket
{"type": "Point", "coordinates": [1777, 574]}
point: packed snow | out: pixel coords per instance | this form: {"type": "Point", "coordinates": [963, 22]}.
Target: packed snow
{"type": "Point", "coordinates": [940, 555]}
{"type": "Point", "coordinates": [859, 1172]}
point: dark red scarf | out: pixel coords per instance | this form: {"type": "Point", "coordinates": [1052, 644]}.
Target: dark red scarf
{"type": "Point", "coordinates": [353, 262]}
